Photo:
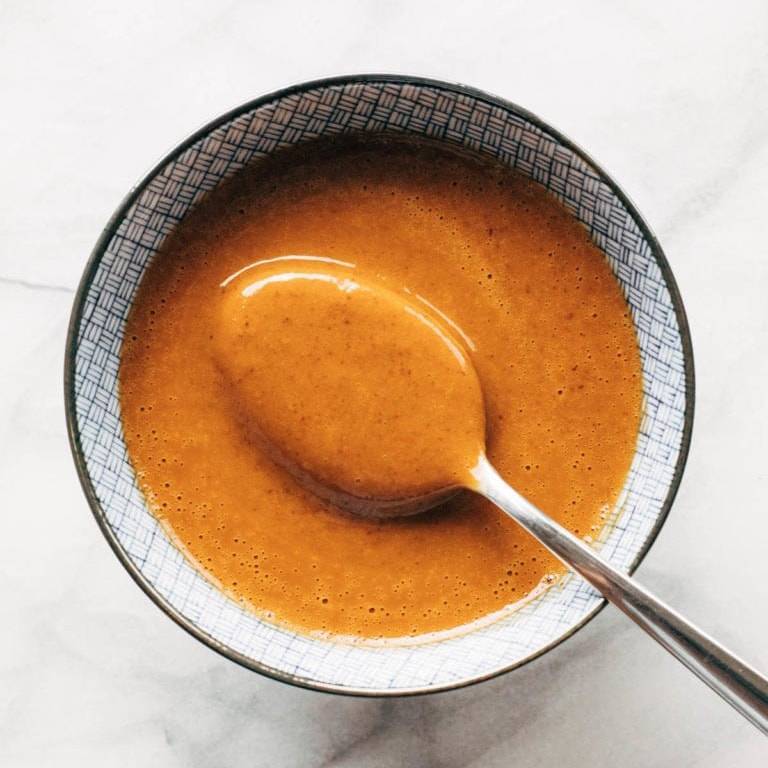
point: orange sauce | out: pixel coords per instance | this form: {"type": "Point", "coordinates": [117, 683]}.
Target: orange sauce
{"type": "Point", "coordinates": [361, 394]}
{"type": "Point", "coordinates": [521, 289]}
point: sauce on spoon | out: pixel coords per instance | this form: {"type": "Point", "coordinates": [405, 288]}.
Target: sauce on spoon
{"type": "Point", "coordinates": [362, 394]}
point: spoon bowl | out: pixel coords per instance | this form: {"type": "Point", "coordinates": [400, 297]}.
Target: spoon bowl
{"type": "Point", "coordinates": [329, 368]}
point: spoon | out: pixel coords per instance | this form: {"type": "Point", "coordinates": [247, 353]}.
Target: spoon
{"type": "Point", "coordinates": [341, 380]}
{"type": "Point", "coordinates": [738, 683]}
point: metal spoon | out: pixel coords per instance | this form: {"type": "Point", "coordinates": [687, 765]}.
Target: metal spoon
{"type": "Point", "coordinates": [740, 685]}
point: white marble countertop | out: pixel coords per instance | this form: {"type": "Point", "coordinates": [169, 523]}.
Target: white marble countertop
{"type": "Point", "coordinates": [670, 97]}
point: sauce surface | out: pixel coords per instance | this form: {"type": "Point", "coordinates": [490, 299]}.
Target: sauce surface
{"type": "Point", "coordinates": [360, 393]}
{"type": "Point", "coordinates": [523, 290]}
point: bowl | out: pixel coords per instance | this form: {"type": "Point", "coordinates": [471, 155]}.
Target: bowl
{"type": "Point", "coordinates": [459, 116]}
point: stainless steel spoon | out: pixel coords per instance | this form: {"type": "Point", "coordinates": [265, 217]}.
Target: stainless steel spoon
{"type": "Point", "coordinates": [739, 684]}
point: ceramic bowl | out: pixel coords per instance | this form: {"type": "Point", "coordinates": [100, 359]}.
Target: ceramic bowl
{"type": "Point", "coordinates": [448, 113]}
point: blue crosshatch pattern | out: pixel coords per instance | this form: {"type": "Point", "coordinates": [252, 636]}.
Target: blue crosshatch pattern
{"type": "Point", "coordinates": [427, 110]}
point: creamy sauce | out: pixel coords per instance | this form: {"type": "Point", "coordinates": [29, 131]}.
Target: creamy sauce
{"type": "Point", "coordinates": [359, 392]}
{"type": "Point", "coordinates": [521, 290]}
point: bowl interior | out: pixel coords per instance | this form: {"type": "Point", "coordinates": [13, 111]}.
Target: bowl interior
{"type": "Point", "coordinates": [448, 113]}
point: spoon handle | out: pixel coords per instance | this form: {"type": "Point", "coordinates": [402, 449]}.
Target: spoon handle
{"type": "Point", "coordinates": [738, 683]}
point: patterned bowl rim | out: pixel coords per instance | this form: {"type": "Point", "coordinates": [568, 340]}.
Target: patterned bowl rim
{"type": "Point", "coordinates": [110, 230]}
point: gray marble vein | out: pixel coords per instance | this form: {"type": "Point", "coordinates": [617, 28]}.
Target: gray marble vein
{"type": "Point", "coordinates": [670, 97]}
{"type": "Point", "coordinates": [31, 286]}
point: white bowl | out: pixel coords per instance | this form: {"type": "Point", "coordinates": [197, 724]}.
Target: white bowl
{"type": "Point", "coordinates": [372, 103]}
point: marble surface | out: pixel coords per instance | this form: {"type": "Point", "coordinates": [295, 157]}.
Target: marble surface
{"type": "Point", "coordinates": [670, 97]}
